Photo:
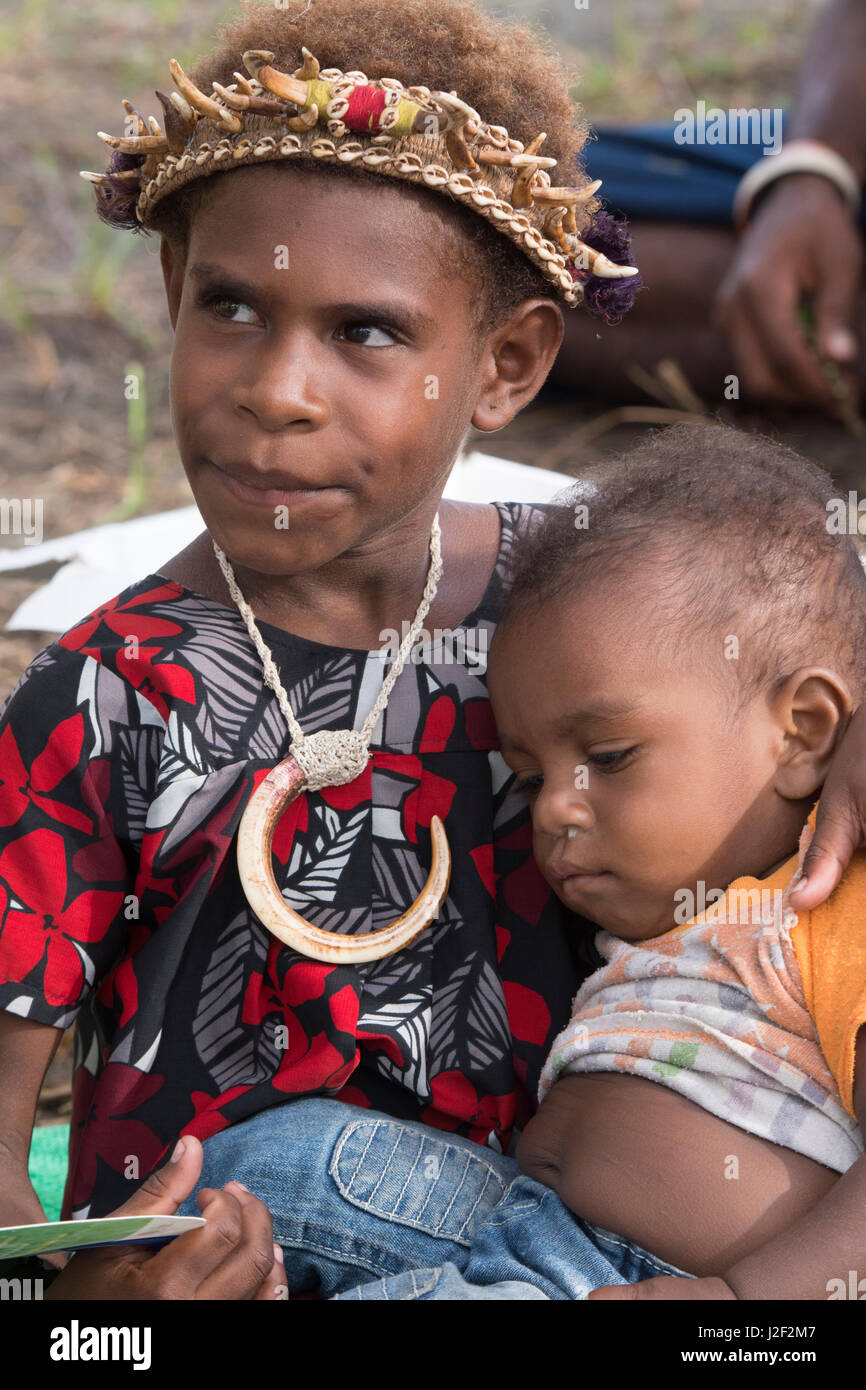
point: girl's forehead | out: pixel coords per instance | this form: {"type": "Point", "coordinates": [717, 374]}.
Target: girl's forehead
{"type": "Point", "coordinates": [379, 228]}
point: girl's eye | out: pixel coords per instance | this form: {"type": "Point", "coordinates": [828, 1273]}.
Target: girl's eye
{"type": "Point", "coordinates": [212, 301]}
{"type": "Point", "coordinates": [375, 328]}
{"type": "Point", "coordinates": [611, 762]}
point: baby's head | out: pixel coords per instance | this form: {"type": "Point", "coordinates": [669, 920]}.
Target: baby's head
{"type": "Point", "coordinates": [678, 657]}
{"type": "Point", "coordinates": [339, 329]}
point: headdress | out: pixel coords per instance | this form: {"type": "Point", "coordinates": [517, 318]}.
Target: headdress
{"type": "Point", "coordinates": [429, 138]}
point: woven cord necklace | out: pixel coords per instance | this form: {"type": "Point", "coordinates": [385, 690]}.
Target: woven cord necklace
{"type": "Point", "coordinates": [328, 758]}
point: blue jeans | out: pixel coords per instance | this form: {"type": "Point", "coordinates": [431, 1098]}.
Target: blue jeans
{"type": "Point", "coordinates": [369, 1207]}
{"type": "Point", "coordinates": [648, 176]}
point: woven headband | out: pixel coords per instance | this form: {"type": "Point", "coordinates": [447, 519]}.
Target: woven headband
{"type": "Point", "coordinates": [410, 133]}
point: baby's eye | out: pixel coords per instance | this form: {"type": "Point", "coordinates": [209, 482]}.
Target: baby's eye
{"type": "Point", "coordinates": [610, 761]}
{"type": "Point", "coordinates": [532, 784]}
{"type": "Point", "coordinates": [374, 328]}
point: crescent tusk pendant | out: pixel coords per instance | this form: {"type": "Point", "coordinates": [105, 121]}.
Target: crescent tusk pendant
{"type": "Point", "coordinates": [255, 839]}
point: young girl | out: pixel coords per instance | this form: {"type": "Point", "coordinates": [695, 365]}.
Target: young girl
{"type": "Point", "coordinates": [382, 269]}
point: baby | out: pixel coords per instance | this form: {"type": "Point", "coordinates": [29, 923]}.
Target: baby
{"type": "Point", "coordinates": [692, 670]}
{"type": "Point", "coordinates": [670, 677]}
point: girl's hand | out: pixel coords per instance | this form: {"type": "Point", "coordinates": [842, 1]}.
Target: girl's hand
{"type": "Point", "coordinates": [666, 1288]}
{"type": "Point", "coordinates": [232, 1257]}
{"type": "Point", "coordinates": [841, 821]}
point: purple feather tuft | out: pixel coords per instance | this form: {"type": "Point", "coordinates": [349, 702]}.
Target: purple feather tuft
{"type": "Point", "coordinates": [115, 203]}
{"type": "Point", "coordinates": [609, 299]}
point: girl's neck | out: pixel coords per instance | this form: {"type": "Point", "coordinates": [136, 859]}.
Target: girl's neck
{"type": "Point", "coordinates": [354, 599]}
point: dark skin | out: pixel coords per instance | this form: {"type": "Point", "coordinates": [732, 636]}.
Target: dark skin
{"type": "Point", "coordinates": [685, 785]}
{"type": "Point", "coordinates": [294, 378]}
{"type": "Point", "coordinates": [727, 303]}
{"type": "Point", "coordinates": [297, 378]}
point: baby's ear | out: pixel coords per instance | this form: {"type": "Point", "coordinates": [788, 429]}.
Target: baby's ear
{"type": "Point", "coordinates": [813, 706]}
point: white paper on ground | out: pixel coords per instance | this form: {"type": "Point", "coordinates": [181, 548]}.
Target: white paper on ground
{"type": "Point", "coordinates": [104, 560]}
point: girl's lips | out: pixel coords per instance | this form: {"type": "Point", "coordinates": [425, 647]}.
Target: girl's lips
{"type": "Point", "coordinates": [269, 496]}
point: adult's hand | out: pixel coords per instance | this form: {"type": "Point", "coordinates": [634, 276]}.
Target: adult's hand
{"type": "Point", "coordinates": [232, 1257]}
{"type": "Point", "coordinates": [802, 240]}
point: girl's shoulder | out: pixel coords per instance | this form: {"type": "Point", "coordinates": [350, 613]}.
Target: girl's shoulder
{"type": "Point", "coordinates": [110, 653]}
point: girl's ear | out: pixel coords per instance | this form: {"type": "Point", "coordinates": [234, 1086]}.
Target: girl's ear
{"type": "Point", "coordinates": [518, 358]}
{"type": "Point", "coordinates": [172, 274]}
{"type": "Point", "coordinates": [813, 707]}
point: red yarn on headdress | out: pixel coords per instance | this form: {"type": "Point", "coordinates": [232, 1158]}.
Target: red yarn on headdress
{"type": "Point", "coordinates": [366, 105]}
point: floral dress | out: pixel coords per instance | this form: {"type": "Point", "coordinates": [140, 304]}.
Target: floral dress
{"type": "Point", "coordinates": [128, 752]}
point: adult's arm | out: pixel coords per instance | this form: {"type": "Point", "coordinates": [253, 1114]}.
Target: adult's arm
{"type": "Point", "coordinates": [803, 237]}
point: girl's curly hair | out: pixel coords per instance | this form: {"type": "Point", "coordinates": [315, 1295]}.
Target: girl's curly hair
{"type": "Point", "coordinates": [504, 70]}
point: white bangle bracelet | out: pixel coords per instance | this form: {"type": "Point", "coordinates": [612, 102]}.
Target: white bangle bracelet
{"type": "Point", "coordinates": [797, 157]}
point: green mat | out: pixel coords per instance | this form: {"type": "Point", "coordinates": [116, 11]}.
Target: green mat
{"type": "Point", "coordinates": [47, 1166]}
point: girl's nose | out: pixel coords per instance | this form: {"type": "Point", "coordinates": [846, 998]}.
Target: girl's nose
{"type": "Point", "coordinates": [284, 389]}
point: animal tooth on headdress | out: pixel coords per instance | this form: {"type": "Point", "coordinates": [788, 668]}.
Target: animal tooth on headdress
{"type": "Point", "coordinates": [305, 120]}
{"type": "Point", "coordinates": [596, 262]}
{"type": "Point", "coordinates": [489, 154]}
{"type": "Point", "coordinates": [140, 122]}
{"type": "Point", "coordinates": [309, 69]}
{"type": "Point", "coordinates": [528, 163]}
{"type": "Point", "coordinates": [250, 101]}
{"type": "Point", "coordinates": [562, 203]}
{"type": "Point", "coordinates": [129, 176]}
{"type": "Point", "coordinates": [461, 121]}
{"type": "Point", "coordinates": [178, 127]}
{"type": "Point", "coordinates": [181, 104]}
{"type": "Point", "coordinates": [206, 105]}
{"type": "Point", "coordinates": [258, 62]}
{"type": "Point", "coordinates": [387, 113]}
{"type": "Point", "coordinates": [135, 144]}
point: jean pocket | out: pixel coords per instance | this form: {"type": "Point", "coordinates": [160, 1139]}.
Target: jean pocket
{"type": "Point", "coordinates": [413, 1179]}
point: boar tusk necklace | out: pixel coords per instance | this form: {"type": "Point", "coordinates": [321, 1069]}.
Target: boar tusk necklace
{"type": "Point", "coordinates": [328, 758]}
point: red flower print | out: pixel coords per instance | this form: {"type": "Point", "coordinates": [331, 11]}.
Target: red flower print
{"type": "Point", "coordinates": [455, 1100]}
{"type": "Point", "coordinates": [21, 786]}
{"type": "Point", "coordinates": [112, 1137]}
{"type": "Point", "coordinates": [57, 931]}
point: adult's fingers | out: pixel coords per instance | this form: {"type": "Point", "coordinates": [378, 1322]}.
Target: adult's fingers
{"type": "Point", "coordinates": [757, 375]}
{"type": "Point", "coordinates": [772, 311]}
{"type": "Point", "coordinates": [837, 296]}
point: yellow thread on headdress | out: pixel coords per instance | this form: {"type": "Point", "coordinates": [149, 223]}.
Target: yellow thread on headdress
{"type": "Point", "coordinates": [405, 120]}
{"type": "Point", "coordinates": [318, 92]}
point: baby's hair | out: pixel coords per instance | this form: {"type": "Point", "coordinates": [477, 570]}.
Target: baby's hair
{"type": "Point", "coordinates": [749, 538]}
{"type": "Point", "coordinates": [505, 71]}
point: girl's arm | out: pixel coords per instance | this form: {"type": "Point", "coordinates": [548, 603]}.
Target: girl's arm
{"type": "Point", "coordinates": [812, 1260]}
{"type": "Point", "coordinates": [26, 1049]}
{"type": "Point", "coordinates": [828, 1242]}
{"type": "Point", "coordinates": [841, 820]}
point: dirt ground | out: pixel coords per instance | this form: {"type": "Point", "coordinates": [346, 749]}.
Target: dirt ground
{"type": "Point", "coordinates": [81, 305]}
